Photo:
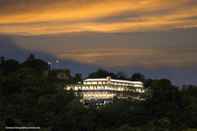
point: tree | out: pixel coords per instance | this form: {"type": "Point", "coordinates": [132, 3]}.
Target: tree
{"type": "Point", "coordinates": [138, 77]}
{"type": "Point", "coordinates": [77, 78]}
{"type": "Point", "coordinates": [34, 63]}
{"type": "Point", "coordinates": [165, 101]}
{"type": "Point", "coordinates": [2, 60]}
{"type": "Point", "coordinates": [100, 73]}
{"type": "Point", "coordinates": [9, 66]}
{"type": "Point", "coordinates": [121, 75]}
{"type": "Point", "coordinates": [189, 95]}
{"type": "Point", "coordinates": [31, 57]}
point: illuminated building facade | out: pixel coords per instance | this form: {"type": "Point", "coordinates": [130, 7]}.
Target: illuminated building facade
{"type": "Point", "coordinates": [105, 89]}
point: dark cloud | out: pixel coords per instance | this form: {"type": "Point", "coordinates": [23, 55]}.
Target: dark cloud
{"type": "Point", "coordinates": [179, 38]}
{"type": "Point", "coordinates": [9, 49]}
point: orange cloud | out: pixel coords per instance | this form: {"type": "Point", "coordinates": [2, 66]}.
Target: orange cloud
{"type": "Point", "coordinates": [65, 16]}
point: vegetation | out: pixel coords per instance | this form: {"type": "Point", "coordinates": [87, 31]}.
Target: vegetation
{"type": "Point", "coordinates": [31, 95]}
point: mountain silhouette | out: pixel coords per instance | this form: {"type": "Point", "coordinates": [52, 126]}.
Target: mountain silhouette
{"type": "Point", "coordinates": [9, 49]}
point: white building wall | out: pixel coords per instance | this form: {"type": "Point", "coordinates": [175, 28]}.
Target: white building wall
{"type": "Point", "coordinates": [103, 88]}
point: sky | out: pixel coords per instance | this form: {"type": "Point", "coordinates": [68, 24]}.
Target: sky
{"type": "Point", "coordinates": [155, 37]}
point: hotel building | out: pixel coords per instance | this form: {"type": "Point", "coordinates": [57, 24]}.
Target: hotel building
{"type": "Point", "coordinates": [105, 89]}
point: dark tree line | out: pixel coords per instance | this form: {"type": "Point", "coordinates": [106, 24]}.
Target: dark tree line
{"type": "Point", "coordinates": [32, 95]}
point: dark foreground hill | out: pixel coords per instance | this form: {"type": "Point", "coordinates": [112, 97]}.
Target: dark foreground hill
{"type": "Point", "coordinates": [30, 95]}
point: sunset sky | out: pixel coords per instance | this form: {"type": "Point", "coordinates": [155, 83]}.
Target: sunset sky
{"type": "Point", "coordinates": [155, 37]}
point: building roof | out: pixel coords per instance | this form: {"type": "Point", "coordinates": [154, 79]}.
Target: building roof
{"type": "Point", "coordinates": [113, 80]}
